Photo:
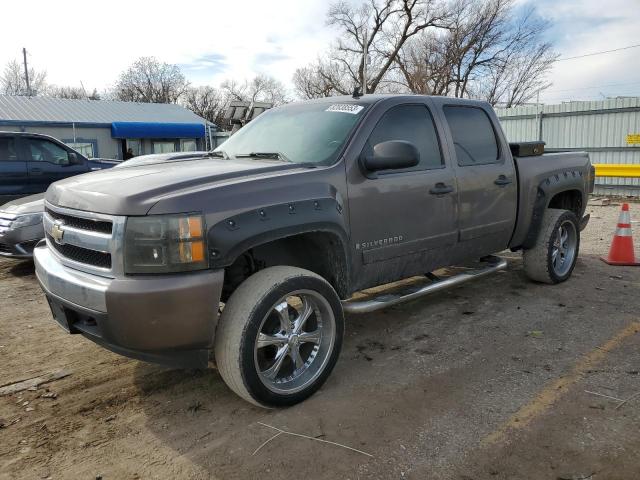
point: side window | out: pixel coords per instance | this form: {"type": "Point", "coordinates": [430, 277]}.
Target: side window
{"type": "Point", "coordinates": [473, 136]}
{"type": "Point", "coordinates": [85, 148]}
{"type": "Point", "coordinates": [45, 151]}
{"type": "Point", "coordinates": [8, 149]}
{"type": "Point", "coordinates": [411, 123]}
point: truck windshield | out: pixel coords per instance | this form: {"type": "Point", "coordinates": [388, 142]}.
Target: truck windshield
{"type": "Point", "coordinates": [311, 133]}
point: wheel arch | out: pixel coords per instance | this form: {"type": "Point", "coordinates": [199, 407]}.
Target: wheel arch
{"type": "Point", "coordinates": [310, 235]}
{"type": "Point", "coordinates": [564, 191]}
{"type": "Point", "coordinates": [568, 200]}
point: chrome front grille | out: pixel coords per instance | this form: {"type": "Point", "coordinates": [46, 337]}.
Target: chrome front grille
{"type": "Point", "coordinates": [82, 255]}
{"type": "Point", "coordinates": [5, 221]}
{"type": "Point", "coordinates": [87, 241]}
{"type": "Point", "coordinates": [101, 226]}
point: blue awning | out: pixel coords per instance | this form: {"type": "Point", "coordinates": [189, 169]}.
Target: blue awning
{"type": "Point", "coordinates": [157, 130]}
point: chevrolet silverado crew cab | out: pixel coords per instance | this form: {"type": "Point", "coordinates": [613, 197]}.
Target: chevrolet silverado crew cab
{"type": "Point", "coordinates": [249, 255]}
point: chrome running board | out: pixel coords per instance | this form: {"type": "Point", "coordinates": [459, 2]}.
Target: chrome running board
{"type": "Point", "coordinates": [385, 300]}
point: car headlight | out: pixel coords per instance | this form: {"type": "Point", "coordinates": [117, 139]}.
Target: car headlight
{"type": "Point", "coordinates": [165, 244]}
{"type": "Point", "coordinates": [26, 220]}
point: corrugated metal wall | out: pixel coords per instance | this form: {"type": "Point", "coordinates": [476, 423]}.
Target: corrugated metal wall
{"type": "Point", "coordinates": [599, 127]}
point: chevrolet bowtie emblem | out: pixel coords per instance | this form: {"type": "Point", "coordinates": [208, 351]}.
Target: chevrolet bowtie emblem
{"type": "Point", "coordinates": [57, 232]}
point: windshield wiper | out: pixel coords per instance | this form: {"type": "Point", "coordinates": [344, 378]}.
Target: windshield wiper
{"type": "Point", "coordinates": [269, 155]}
{"type": "Point", "coordinates": [218, 154]}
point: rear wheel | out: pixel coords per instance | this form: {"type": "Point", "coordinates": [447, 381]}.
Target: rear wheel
{"type": "Point", "coordinates": [279, 336]}
{"type": "Point", "coordinates": [554, 255]}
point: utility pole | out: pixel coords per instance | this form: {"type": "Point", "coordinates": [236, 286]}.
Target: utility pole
{"type": "Point", "coordinates": [364, 62]}
{"type": "Point", "coordinates": [26, 71]}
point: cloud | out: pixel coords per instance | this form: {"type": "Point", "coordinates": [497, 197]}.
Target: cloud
{"type": "Point", "coordinates": [212, 41]}
{"type": "Point", "coordinates": [267, 59]}
{"type": "Point", "coordinates": [582, 27]}
{"type": "Point", "coordinates": [203, 69]}
{"type": "Point", "coordinates": [211, 63]}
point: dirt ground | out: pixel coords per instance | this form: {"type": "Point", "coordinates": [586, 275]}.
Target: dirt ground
{"type": "Point", "coordinates": [489, 380]}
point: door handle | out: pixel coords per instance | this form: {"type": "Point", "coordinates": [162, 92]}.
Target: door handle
{"type": "Point", "coordinates": [36, 171]}
{"type": "Point", "coordinates": [440, 189]}
{"type": "Point", "coordinates": [502, 180]}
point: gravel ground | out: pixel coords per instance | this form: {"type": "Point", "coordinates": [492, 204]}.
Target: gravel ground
{"type": "Point", "coordinates": [487, 380]}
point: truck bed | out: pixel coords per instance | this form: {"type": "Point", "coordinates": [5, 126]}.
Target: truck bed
{"type": "Point", "coordinates": [539, 177]}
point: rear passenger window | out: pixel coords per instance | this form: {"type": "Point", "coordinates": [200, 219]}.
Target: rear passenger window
{"type": "Point", "coordinates": [411, 123]}
{"type": "Point", "coordinates": [7, 149]}
{"type": "Point", "coordinates": [473, 136]}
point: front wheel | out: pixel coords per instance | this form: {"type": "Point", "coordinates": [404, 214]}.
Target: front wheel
{"type": "Point", "coordinates": [279, 336]}
{"type": "Point", "coordinates": [554, 255]}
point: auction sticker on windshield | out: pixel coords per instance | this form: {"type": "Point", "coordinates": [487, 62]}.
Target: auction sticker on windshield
{"type": "Point", "coordinates": [345, 108]}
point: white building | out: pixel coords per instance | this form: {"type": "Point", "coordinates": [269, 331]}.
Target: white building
{"type": "Point", "coordinates": [106, 129]}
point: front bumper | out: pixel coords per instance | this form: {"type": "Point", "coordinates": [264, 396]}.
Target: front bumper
{"type": "Point", "coordinates": [167, 319]}
{"type": "Point", "coordinates": [19, 243]}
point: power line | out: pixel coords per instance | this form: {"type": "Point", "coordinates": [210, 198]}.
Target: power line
{"type": "Point", "coordinates": [598, 53]}
{"type": "Point", "coordinates": [593, 86]}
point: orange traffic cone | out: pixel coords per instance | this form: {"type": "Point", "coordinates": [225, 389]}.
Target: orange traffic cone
{"type": "Point", "coordinates": [621, 252]}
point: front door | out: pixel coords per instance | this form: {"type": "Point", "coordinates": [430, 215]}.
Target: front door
{"type": "Point", "coordinates": [403, 222]}
{"type": "Point", "coordinates": [48, 162]}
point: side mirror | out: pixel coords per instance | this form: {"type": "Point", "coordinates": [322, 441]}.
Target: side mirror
{"type": "Point", "coordinates": [392, 155]}
{"type": "Point", "coordinates": [74, 159]}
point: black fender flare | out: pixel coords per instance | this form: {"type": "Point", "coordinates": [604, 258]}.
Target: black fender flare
{"type": "Point", "coordinates": [235, 235]}
{"type": "Point", "coordinates": [546, 190]}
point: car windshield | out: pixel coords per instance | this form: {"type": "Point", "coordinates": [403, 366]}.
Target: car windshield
{"type": "Point", "coordinates": [311, 133]}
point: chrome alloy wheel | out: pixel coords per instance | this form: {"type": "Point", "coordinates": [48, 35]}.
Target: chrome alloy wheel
{"type": "Point", "coordinates": [563, 250]}
{"type": "Point", "coordinates": [294, 341]}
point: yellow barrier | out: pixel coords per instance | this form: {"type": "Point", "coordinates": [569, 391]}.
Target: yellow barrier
{"type": "Point", "coordinates": [617, 170]}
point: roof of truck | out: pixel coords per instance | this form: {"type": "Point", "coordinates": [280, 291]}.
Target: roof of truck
{"type": "Point", "coordinates": [376, 97]}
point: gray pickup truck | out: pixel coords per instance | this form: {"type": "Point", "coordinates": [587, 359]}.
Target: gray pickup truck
{"type": "Point", "coordinates": [249, 257]}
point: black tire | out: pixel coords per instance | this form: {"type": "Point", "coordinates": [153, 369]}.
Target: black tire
{"type": "Point", "coordinates": [540, 262]}
{"type": "Point", "coordinates": [256, 305]}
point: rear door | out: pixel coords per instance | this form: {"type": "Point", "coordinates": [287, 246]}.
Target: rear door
{"type": "Point", "coordinates": [48, 162]}
{"type": "Point", "coordinates": [487, 183]}
{"type": "Point", "coordinates": [13, 170]}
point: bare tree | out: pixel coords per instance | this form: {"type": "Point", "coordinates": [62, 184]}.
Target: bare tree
{"type": "Point", "coordinates": [75, 93]}
{"type": "Point", "coordinates": [13, 82]}
{"type": "Point", "coordinates": [261, 88]}
{"type": "Point", "coordinates": [151, 81]}
{"type": "Point", "coordinates": [424, 66]}
{"type": "Point", "coordinates": [206, 102]}
{"type": "Point", "coordinates": [322, 79]}
{"type": "Point", "coordinates": [382, 27]}
{"type": "Point", "coordinates": [487, 52]}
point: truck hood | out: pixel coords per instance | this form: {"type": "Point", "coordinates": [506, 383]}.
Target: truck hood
{"type": "Point", "coordinates": [134, 190]}
{"type": "Point", "coordinates": [25, 205]}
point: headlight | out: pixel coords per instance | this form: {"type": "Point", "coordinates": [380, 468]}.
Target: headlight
{"type": "Point", "coordinates": [26, 220]}
{"type": "Point", "coordinates": [164, 244]}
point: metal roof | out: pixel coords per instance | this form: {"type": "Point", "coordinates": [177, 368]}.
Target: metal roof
{"type": "Point", "coordinates": [46, 109]}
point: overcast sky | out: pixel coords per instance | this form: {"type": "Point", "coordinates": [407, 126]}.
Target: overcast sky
{"type": "Point", "coordinates": [92, 42]}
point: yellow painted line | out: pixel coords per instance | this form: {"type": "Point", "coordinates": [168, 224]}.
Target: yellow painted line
{"type": "Point", "coordinates": [617, 170]}
{"type": "Point", "coordinates": [552, 392]}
